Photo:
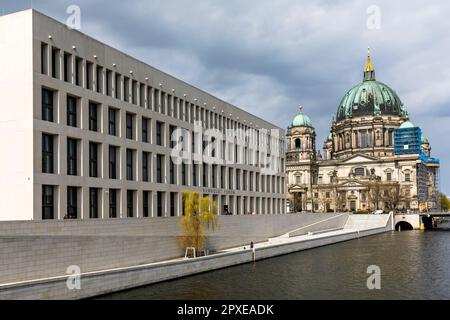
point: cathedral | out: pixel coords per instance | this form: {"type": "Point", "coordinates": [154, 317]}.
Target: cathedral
{"type": "Point", "coordinates": [373, 159]}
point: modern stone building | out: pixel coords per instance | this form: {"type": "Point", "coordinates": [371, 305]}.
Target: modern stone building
{"type": "Point", "coordinates": [89, 132]}
{"type": "Point", "coordinates": [374, 158]}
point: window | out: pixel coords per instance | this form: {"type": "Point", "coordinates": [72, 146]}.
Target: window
{"type": "Point", "coordinates": [112, 121]}
{"type": "Point", "coordinates": [145, 158]}
{"type": "Point", "coordinates": [78, 71]}
{"type": "Point", "coordinates": [113, 162]}
{"type": "Point", "coordinates": [172, 172]}
{"type": "Point", "coordinates": [55, 63]}
{"type": "Point", "coordinates": [194, 174]}
{"type": "Point", "coordinates": [71, 111]}
{"type": "Point", "coordinates": [118, 86]}
{"type": "Point", "coordinates": [159, 133]}
{"type": "Point", "coordinates": [172, 138]}
{"type": "Point", "coordinates": [67, 67]}
{"type": "Point", "coordinates": [93, 160]}
{"type": "Point", "coordinates": [145, 130]}
{"type": "Point", "coordinates": [297, 144]}
{"type": "Point", "coordinates": [129, 125]}
{"type": "Point", "coordinates": [126, 89]}
{"type": "Point", "coordinates": [159, 203]}
{"type": "Point", "coordinates": [205, 175]}
{"type": "Point", "coordinates": [129, 164]}
{"type": "Point", "coordinates": [298, 179]}
{"type": "Point", "coordinates": [93, 116]}
{"type": "Point", "coordinates": [407, 177]}
{"type": "Point", "coordinates": [93, 203]}
{"type": "Point", "coordinates": [99, 76]}
{"type": "Point", "coordinates": [47, 105]}
{"type": "Point", "coordinates": [145, 204]}
{"type": "Point", "coordinates": [47, 202]}
{"type": "Point", "coordinates": [130, 203]}
{"type": "Point", "coordinates": [360, 172]}
{"type": "Point", "coordinates": [238, 179]}
{"type": "Point", "coordinates": [222, 177]}
{"type": "Point", "coordinates": [113, 203]}
{"type": "Point", "coordinates": [172, 204]}
{"type": "Point", "coordinates": [72, 203]}
{"type": "Point", "coordinates": [72, 157]}
{"type": "Point", "coordinates": [389, 176]}
{"type": "Point", "coordinates": [47, 153]}
{"type": "Point", "coordinates": [109, 77]}
{"type": "Point", "coordinates": [89, 74]}
{"type": "Point", "coordinates": [44, 58]}
{"type": "Point", "coordinates": [159, 164]}
{"type": "Point", "coordinates": [183, 174]}
{"type": "Point", "coordinates": [214, 175]}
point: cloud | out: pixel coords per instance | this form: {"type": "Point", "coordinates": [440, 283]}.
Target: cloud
{"type": "Point", "coordinates": [268, 57]}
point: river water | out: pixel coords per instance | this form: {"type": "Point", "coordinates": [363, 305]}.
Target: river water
{"type": "Point", "coordinates": [413, 264]}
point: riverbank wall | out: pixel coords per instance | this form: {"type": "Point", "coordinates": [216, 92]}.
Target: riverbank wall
{"type": "Point", "coordinates": [116, 257]}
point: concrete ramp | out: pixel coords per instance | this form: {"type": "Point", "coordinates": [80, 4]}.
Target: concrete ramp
{"type": "Point", "coordinates": [368, 221]}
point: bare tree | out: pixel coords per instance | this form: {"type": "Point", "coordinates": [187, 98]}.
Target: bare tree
{"type": "Point", "coordinates": [392, 196]}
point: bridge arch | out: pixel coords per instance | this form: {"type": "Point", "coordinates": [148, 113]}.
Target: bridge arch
{"type": "Point", "coordinates": [403, 225]}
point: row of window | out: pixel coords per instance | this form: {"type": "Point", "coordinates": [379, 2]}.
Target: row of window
{"type": "Point", "coordinates": [93, 76]}
{"type": "Point", "coordinates": [49, 196]}
{"type": "Point", "coordinates": [365, 138]}
{"type": "Point", "coordinates": [238, 154]}
{"type": "Point", "coordinates": [250, 180]}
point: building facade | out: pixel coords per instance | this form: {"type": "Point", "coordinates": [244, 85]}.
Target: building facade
{"type": "Point", "coordinates": [373, 159]}
{"type": "Point", "coordinates": [89, 132]}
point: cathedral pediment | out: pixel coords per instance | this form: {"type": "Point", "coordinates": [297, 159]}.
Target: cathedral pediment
{"type": "Point", "coordinates": [358, 158]}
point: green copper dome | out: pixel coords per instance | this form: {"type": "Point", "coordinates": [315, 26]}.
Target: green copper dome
{"type": "Point", "coordinates": [370, 98]}
{"type": "Point", "coordinates": [302, 120]}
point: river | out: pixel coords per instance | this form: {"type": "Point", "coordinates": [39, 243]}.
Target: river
{"type": "Point", "coordinates": [413, 264]}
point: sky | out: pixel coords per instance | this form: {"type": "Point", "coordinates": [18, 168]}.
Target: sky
{"type": "Point", "coordinates": [269, 57]}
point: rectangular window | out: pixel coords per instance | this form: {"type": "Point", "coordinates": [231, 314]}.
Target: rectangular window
{"type": "Point", "coordinates": [118, 86]}
{"type": "Point", "coordinates": [407, 177]}
{"type": "Point", "coordinates": [222, 177]}
{"type": "Point", "coordinates": [130, 203]}
{"type": "Point", "coordinates": [109, 78]}
{"type": "Point", "coordinates": [47, 154]}
{"type": "Point", "coordinates": [159, 203]}
{"type": "Point", "coordinates": [163, 103]}
{"type": "Point", "coordinates": [78, 71]}
{"type": "Point", "coordinates": [205, 175]}
{"type": "Point", "coordinates": [71, 111]}
{"type": "Point", "coordinates": [172, 204]}
{"type": "Point", "coordinates": [55, 63]}
{"type": "Point", "coordinates": [93, 160]}
{"type": "Point", "coordinates": [172, 172]}
{"type": "Point", "coordinates": [183, 174]}
{"type": "Point", "coordinates": [172, 138]}
{"type": "Point", "coordinates": [89, 74]}
{"type": "Point", "coordinates": [130, 157]}
{"type": "Point", "coordinates": [145, 160]}
{"type": "Point", "coordinates": [113, 203]}
{"type": "Point", "coordinates": [145, 130]}
{"type": "Point", "coordinates": [93, 116]}
{"type": "Point", "coordinates": [159, 168]}
{"type": "Point", "coordinates": [93, 203]}
{"type": "Point", "coordinates": [99, 76]}
{"type": "Point", "coordinates": [47, 105]}
{"type": "Point", "coordinates": [126, 89]}
{"type": "Point", "coordinates": [48, 202]}
{"type": "Point", "coordinates": [72, 157]}
{"type": "Point", "coordinates": [129, 126]}
{"type": "Point", "coordinates": [113, 162]}
{"type": "Point", "coordinates": [67, 67]}
{"type": "Point", "coordinates": [159, 133]}
{"type": "Point", "coordinates": [112, 121]}
{"type": "Point", "coordinates": [388, 176]}
{"type": "Point", "coordinates": [72, 203]}
{"type": "Point", "coordinates": [145, 204]}
{"type": "Point", "coordinates": [44, 58]}
{"type": "Point", "coordinates": [194, 174]}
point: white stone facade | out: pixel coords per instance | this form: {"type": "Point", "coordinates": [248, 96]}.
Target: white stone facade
{"type": "Point", "coordinates": [59, 166]}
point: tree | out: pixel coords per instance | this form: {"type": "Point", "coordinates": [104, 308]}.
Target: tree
{"type": "Point", "coordinates": [374, 192]}
{"type": "Point", "coordinates": [445, 202]}
{"type": "Point", "coordinates": [200, 214]}
{"type": "Point", "coordinates": [392, 196]}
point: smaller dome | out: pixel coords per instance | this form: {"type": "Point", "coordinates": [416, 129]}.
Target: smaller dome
{"type": "Point", "coordinates": [330, 137]}
{"type": "Point", "coordinates": [425, 140]}
{"type": "Point", "coordinates": [302, 120]}
{"type": "Point", "coordinates": [407, 124]}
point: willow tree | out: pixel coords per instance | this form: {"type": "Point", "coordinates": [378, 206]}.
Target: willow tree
{"type": "Point", "coordinates": [200, 215]}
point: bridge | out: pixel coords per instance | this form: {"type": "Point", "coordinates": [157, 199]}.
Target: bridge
{"type": "Point", "coordinates": [416, 221]}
